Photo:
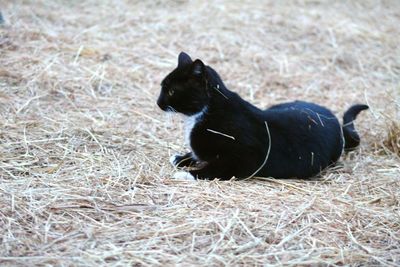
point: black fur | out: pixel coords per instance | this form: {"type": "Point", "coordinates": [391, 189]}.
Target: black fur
{"type": "Point", "coordinates": [234, 138]}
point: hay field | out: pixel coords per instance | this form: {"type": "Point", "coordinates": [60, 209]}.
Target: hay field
{"type": "Point", "coordinates": [84, 172]}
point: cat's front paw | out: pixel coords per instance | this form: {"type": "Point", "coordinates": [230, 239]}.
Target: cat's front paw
{"type": "Point", "coordinates": [180, 161]}
{"type": "Point", "coordinates": [183, 176]}
{"type": "Point", "coordinates": [174, 160]}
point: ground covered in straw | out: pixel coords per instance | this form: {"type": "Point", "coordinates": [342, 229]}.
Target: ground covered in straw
{"type": "Point", "coordinates": [84, 172]}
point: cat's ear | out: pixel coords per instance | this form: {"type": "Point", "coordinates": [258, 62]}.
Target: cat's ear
{"type": "Point", "coordinates": [184, 59]}
{"type": "Point", "coordinates": [198, 67]}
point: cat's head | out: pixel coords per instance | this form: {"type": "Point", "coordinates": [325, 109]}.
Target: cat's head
{"type": "Point", "coordinates": [184, 90]}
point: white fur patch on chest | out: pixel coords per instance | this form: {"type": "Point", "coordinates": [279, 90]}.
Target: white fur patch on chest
{"type": "Point", "coordinates": [190, 123]}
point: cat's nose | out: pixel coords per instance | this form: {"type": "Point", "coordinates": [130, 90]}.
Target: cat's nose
{"type": "Point", "coordinates": [161, 104]}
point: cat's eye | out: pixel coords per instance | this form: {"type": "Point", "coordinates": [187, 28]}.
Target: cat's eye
{"type": "Point", "coordinates": [170, 92]}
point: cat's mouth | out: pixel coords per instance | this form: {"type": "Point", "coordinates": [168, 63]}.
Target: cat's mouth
{"type": "Point", "coordinates": [161, 105]}
{"type": "Point", "coordinates": [170, 109]}
{"type": "Point", "coordinates": [166, 108]}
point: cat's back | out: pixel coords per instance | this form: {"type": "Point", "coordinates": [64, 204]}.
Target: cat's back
{"type": "Point", "coordinates": [301, 117]}
{"type": "Point", "coordinates": [300, 113]}
{"type": "Point", "coordinates": [299, 107]}
{"type": "Point", "coordinates": [306, 138]}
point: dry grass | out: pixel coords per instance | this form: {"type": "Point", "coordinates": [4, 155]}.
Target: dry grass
{"type": "Point", "coordinates": [85, 178]}
{"type": "Point", "coordinates": [392, 142]}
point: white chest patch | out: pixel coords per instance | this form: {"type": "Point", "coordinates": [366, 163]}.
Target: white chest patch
{"type": "Point", "coordinates": [190, 123]}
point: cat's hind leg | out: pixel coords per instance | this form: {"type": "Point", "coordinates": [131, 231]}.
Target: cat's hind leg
{"type": "Point", "coordinates": [180, 161]}
{"type": "Point", "coordinates": [215, 169]}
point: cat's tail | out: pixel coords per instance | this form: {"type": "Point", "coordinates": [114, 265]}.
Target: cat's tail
{"type": "Point", "coordinates": [351, 137]}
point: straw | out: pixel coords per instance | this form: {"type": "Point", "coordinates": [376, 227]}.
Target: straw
{"type": "Point", "coordinates": [84, 172]}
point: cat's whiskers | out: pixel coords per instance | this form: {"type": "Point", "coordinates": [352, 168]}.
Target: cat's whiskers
{"type": "Point", "coordinates": [169, 114]}
{"type": "Point", "coordinates": [171, 109]}
{"type": "Point", "coordinates": [168, 120]}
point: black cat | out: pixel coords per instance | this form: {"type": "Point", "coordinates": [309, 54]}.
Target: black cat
{"type": "Point", "coordinates": [230, 137]}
